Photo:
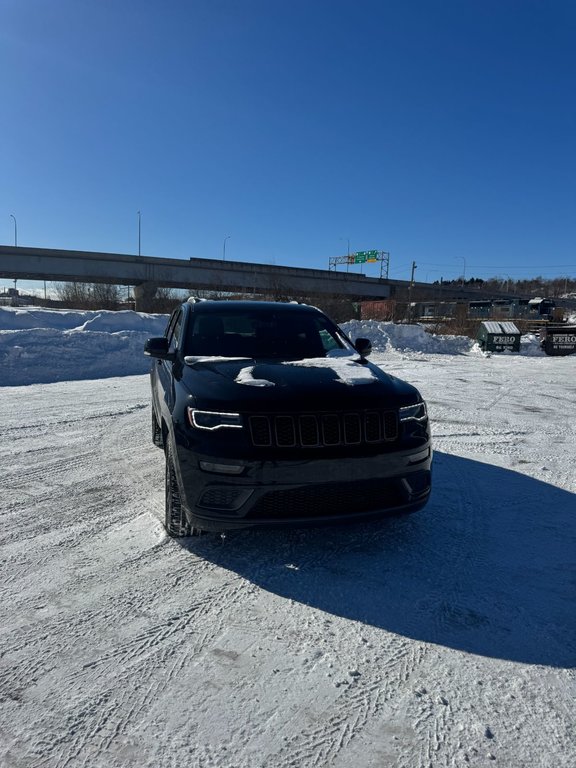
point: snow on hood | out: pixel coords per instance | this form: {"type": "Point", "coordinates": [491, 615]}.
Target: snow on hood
{"type": "Point", "coordinates": [348, 371]}
{"type": "Point", "coordinates": [45, 345]}
{"type": "Point", "coordinates": [246, 377]}
{"type": "Point", "coordinates": [194, 360]}
{"type": "Point", "coordinates": [345, 369]}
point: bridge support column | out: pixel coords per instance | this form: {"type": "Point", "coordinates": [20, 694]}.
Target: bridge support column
{"type": "Point", "coordinates": [143, 296]}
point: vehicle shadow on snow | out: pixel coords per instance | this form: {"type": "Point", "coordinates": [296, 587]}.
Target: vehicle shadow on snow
{"type": "Point", "coordinates": [486, 568]}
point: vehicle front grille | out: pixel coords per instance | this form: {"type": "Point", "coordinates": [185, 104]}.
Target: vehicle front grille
{"type": "Point", "coordinates": [312, 430]}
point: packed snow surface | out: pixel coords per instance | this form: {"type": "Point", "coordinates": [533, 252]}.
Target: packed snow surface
{"type": "Point", "coordinates": [446, 638]}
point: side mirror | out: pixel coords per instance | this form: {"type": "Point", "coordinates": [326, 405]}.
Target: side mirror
{"type": "Point", "coordinates": [363, 347]}
{"type": "Point", "coordinates": [158, 347]}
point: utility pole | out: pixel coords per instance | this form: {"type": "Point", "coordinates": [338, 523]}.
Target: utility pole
{"type": "Point", "coordinates": [414, 267]}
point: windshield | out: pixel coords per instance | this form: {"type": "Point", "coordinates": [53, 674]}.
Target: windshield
{"type": "Point", "coordinates": [262, 334]}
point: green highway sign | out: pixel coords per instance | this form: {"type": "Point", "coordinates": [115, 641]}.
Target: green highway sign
{"type": "Point", "coordinates": [361, 257]}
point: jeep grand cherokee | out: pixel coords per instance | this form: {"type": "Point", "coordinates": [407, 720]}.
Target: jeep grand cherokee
{"type": "Point", "coordinates": [269, 415]}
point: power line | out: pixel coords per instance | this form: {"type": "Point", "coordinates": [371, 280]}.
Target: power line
{"type": "Point", "coordinates": [500, 267]}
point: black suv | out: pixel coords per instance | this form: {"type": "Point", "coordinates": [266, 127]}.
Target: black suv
{"type": "Point", "coordinates": [269, 415]}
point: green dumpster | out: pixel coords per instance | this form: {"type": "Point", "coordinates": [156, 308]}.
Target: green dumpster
{"type": "Point", "coordinates": [497, 336]}
{"type": "Point", "coordinates": [558, 339]}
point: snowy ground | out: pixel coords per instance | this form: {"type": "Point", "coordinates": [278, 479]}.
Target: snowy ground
{"type": "Point", "coordinates": [447, 638]}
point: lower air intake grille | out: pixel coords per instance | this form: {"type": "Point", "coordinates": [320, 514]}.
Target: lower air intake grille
{"type": "Point", "coordinates": [330, 499]}
{"type": "Point", "coordinates": [224, 498]}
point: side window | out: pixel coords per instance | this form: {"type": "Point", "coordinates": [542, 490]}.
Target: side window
{"type": "Point", "coordinates": [329, 341]}
{"type": "Point", "coordinates": [175, 332]}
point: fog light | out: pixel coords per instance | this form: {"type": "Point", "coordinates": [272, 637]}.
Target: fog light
{"type": "Point", "coordinates": [417, 483]}
{"type": "Point", "coordinates": [223, 469]}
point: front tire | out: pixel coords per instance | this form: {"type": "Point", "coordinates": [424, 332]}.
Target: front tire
{"type": "Point", "coordinates": [176, 522]}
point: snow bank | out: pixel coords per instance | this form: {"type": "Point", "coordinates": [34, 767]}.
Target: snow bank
{"type": "Point", "coordinates": [15, 318]}
{"type": "Point", "coordinates": [386, 337]}
{"type": "Point", "coordinates": [39, 346]}
{"type": "Point", "coordinates": [389, 338]}
{"type": "Point", "coordinates": [42, 346]}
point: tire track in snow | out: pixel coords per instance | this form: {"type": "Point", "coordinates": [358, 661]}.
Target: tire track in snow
{"type": "Point", "coordinates": [91, 585]}
{"type": "Point", "coordinates": [128, 668]}
{"type": "Point", "coordinates": [363, 700]}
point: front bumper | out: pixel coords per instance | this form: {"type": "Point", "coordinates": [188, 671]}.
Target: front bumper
{"type": "Point", "coordinates": [303, 492]}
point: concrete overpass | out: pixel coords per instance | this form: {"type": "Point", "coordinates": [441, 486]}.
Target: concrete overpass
{"type": "Point", "coordinates": [147, 273]}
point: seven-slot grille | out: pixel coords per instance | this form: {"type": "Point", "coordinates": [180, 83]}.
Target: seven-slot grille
{"type": "Point", "coordinates": [317, 430]}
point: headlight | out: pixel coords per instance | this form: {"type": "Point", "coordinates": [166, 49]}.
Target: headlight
{"type": "Point", "coordinates": [416, 412]}
{"type": "Point", "coordinates": [213, 419]}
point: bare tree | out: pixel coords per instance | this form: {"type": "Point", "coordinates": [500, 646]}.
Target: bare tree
{"type": "Point", "coordinates": [105, 296]}
{"type": "Point", "coordinates": [339, 308]}
{"type": "Point", "coordinates": [88, 295]}
{"type": "Point", "coordinates": [73, 295]}
{"type": "Point", "coordinates": [165, 300]}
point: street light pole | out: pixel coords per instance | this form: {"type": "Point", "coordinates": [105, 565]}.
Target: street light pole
{"type": "Point", "coordinates": [224, 247]}
{"type": "Point", "coordinates": [139, 232]}
{"type": "Point", "coordinates": [15, 230]}
{"type": "Point", "coordinates": [15, 242]}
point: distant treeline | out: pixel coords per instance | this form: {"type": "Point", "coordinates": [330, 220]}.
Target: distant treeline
{"type": "Point", "coordinates": [536, 286]}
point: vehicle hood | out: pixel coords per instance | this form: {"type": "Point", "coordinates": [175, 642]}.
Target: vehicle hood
{"type": "Point", "coordinates": [337, 383]}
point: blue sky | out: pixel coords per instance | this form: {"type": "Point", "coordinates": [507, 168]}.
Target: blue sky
{"type": "Point", "coordinates": [443, 132]}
